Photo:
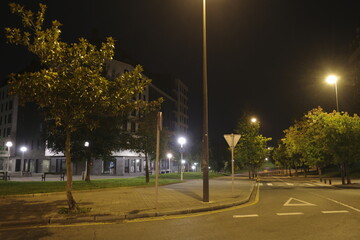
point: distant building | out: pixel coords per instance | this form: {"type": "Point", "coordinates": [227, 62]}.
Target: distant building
{"type": "Point", "coordinates": [353, 73]}
{"type": "Point", "coordinates": [23, 127]}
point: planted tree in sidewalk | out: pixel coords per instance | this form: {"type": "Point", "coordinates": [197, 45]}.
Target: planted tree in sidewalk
{"type": "Point", "coordinates": [70, 87]}
{"type": "Point", "coordinates": [143, 140]}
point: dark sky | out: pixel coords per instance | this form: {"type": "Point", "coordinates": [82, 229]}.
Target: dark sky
{"type": "Point", "coordinates": [267, 57]}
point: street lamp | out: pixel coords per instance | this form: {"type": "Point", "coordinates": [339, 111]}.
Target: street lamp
{"type": "Point", "coordinates": [332, 79]}
{"type": "Point", "coordinates": [169, 156]}
{"type": "Point", "coordinates": [205, 160]}
{"type": "Point", "coordinates": [182, 168]}
{"type": "Point", "coordinates": [86, 144]}
{"type": "Point", "coordinates": [253, 120]}
{"type": "Point", "coordinates": [8, 144]}
{"type": "Point", "coordinates": [23, 149]}
{"type": "Point", "coordinates": [182, 142]}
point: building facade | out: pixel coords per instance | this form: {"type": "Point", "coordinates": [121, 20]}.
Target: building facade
{"type": "Point", "coordinates": [22, 126]}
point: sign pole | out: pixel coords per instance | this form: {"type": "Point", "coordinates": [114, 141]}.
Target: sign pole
{"type": "Point", "coordinates": [232, 140]}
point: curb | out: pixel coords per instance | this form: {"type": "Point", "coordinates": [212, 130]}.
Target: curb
{"type": "Point", "coordinates": [114, 218]}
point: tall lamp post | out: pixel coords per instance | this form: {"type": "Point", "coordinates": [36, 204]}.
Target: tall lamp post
{"type": "Point", "coordinates": [182, 142]}
{"type": "Point", "coordinates": [332, 79]}
{"type": "Point", "coordinates": [169, 156]}
{"type": "Point", "coordinates": [8, 144]}
{"type": "Point", "coordinates": [23, 150]}
{"type": "Point", "coordinates": [86, 144]}
{"type": "Point", "coordinates": [205, 160]}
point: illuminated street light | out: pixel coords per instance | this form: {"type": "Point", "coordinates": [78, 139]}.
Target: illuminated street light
{"type": "Point", "coordinates": [253, 120]}
{"type": "Point", "coordinates": [182, 168]}
{"type": "Point", "coordinates": [182, 142]}
{"type": "Point", "coordinates": [169, 156]}
{"type": "Point", "coordinates": [23, 149]}
{"type": "Point", "coordinates": [8, 144]}
{"type": "Point", "coordinates": [86, 144]}
{"type": "Point", "coordinates": [332, 79]}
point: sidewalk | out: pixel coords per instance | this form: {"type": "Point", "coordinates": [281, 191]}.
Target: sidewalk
{"type": "Point", "coordinates": [125, 202]}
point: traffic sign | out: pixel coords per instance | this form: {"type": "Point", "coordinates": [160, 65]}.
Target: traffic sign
{"type": "Point", "coordinates": [232, 139]}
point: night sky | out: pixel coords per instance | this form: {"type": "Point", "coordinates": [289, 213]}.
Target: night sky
{"type": "Point", "coordinates": [265, 57]}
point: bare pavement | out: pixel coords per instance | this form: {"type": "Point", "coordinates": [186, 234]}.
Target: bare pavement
{"type": "Point", "coordinates": [117, 204]}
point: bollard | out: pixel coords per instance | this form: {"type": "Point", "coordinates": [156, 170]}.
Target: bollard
{"type": "Point", "coordinates": [325, 181]}
{"type": "Point", "coordinates": [329, 181]}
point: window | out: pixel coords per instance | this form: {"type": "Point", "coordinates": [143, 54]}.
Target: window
{"type": "Point", "coordinates": [0, 120]}
{"type": "Point", "coordinates": [9, 118]}
{"type": "Point", "coordinates": [10, 105]}
{"type": "Point", "coordinates": [8, 131]}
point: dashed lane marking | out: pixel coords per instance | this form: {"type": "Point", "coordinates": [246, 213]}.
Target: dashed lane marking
{"type": "Point", "coordinates": [289, 214]}
{"type": "Point", "coordinates": [290, 184]}
{"type": "Point", "coordinates": [269, 184]}
{"type": "Point", "coordinates": [245, 216]}
{"type": "Point", "coordinates": [339, 211]}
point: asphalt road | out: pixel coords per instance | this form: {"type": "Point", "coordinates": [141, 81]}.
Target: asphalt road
{"type": "Point", "coordinates": [283, 209]}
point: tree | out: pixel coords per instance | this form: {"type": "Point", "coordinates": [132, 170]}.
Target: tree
{"type": "Point", "coordinates": [70, 88]}
{"type": "Point", "coordinates": [144, 139]}
{"type": "Point", "coordinates": [321, 138]}
{"type": "Point", "coordinates": [251, 149]}
{"type": "Point", "coordinates": [108, 137]}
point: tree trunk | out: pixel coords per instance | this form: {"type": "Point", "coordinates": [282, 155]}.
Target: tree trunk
{"type": "Point", "coordinates": [347, 173]}
{"type": "Point", "coordinates": [70, 199]}
{"type": "Point", "coordinates": [296, 171]}
{"type": "Point", "coordinates": [147, 168]}
{"type": "Point", "coordinates": [249, 173]}
{"type": "Point", "coordinates": [290, 172]}
{"type": "Point", "coordinates": [305, 171]}
{"type": "Point", "coordinates": [342, 171]}
{"type": "Point", "coordinates": [320, 173]}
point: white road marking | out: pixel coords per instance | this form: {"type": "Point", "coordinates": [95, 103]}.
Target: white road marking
{"type": "Point", "coordinates": [343, 204]}
{"type": "Point", "coordinates": [340, 211]}
{"type": "Point", "coordinates": [302, 203]}
{"type": "Point", "coordinates": [289, 214]}
{"type": "Point", "coordinates": [290, 184]}
{"type": "Point", "coordinates": [245, 216]}
{"type": "Point", "coordinates": [261, 184]}
{"type": "Point", "coordinates": [309, 184]}
{"type": "Point", "coordinates": [269, 184]}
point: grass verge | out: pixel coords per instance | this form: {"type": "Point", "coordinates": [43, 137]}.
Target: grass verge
{"type": "Point", "coordinates": [18, 188]}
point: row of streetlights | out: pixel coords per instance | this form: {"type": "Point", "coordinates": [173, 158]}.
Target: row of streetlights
{"type": "Point", "coordinates": [9, 144]}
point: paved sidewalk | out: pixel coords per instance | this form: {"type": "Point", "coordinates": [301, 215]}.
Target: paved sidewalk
{"type": "Point", "coordinates": [125, 203]}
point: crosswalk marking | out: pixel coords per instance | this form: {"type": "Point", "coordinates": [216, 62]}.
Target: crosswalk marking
{"type": "Point", "coordinates": [339, 211]}
{"type": "Point", "coordinates": [245, 216]}
{"type": "Point", "coordinates": [289, 214]}
{"type": "Point", "coordinates": [269, 184]}
{"type": "Point", "coordinates": [290, 184]}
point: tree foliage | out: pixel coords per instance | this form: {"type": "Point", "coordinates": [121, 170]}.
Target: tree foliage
{"type": "Point", "coordinates": [70, 88]}
{"type": "Point", "coordinates": [251, 149]}
{"type": "Point", "coordinates": [320, 139]}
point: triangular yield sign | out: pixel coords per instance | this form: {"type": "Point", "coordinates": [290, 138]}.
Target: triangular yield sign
{"type": "Point", "coordinates": [298, 203]}
{"type": "Point", "coordinates": [232, 139]}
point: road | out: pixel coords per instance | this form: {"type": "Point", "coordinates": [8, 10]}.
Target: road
{"type": "Point", "coordinates": [284, 208]}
